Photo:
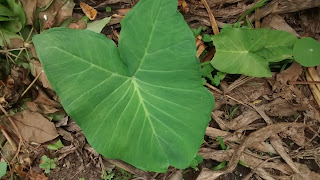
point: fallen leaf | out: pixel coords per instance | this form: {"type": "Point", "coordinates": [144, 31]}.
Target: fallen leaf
{"type": "Point", "coordinates": [308, 174]}
{"type": "Point", "coordinates": [43, 99]}
{"type": "Point", "coordinates": [89, 11]}
{"type": "Point", "coordinates": [281, 107]}
{"type": "Point", "coordinates": [79, 24]}
{"type": "Point", "coordinates": [35, 176]}
{"type": "Point", "coordinates": [34, 127]}
{"type": "Point", "coordinates": [29, 7]}
{"type": "Point", "coordinates": [98, 25]}
{"type": "Point", "coordinates": [278, 23]}
{"type": "Point", "coordinates": [64, 12]}
{"type": "Point", "coordinates": [36, 70]}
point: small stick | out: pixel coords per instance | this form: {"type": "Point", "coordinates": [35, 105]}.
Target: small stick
{"type": "Point", "coordinates": [6, 135]}
{"type": "Point", "coordinates": [303, 82]}
{"type": "Point", "coordinates": [214, 88]}
{"type": "Point", "coordinates": [35, 79]}
{"type": "Point", "coordinates": [16, 129]}
{"type": "Point", "coordinates": [212, 19]}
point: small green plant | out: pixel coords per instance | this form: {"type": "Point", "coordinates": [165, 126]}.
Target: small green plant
{"type": "Point", "coordinates": [56, 145]}
{"type": "Point", "coordinates": [250, 51]}
{"type": "Point", "coordinates": [47, 164]}
{"type": "Point", "coordinates": [108, 9]}
{"type": "Point", "coordinates": [147, 92]}
{"type": "Point", "coordinates": [223, 164]}
{"type": "Point", "coordinates": [107, 175]}
{"type": "Point", "coordinates": [195, 162]}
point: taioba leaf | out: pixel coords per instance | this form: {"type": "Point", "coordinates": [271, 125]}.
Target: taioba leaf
{"type": "Point", "coordinates": [236, 52]}
{"type": "Point", "coordinates": [98, 25]}
{"type": "Point", "coordinates": [278, 46]}
{"type": "Point", "coordinates": [17, 9]}
{"type": "Point", "coordinates": [4, 11]}
{"type": "Point", "coordinates": [307, 52]}
{"type": "Point", "coordinates": [143, 103]}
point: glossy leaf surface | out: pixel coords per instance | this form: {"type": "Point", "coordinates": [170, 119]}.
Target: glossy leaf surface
{"type": "Point", "coordinates": [143, 102]}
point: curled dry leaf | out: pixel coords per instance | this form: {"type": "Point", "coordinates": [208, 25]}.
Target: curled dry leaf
{"type": "Point", "coordinates": [89, 11]}
{"type": "Point", "coordinates": [64, 12]}
{"type": "Point", "coordinates": [208, 174]}
{"type": "Point", "coordinates": [258, 136]}
{"type": "Point", "coordinates": [34, 127]}
{"type": "Point", "coordinates": [43, 99]}
{"type": "Point", "coordinates": [36, 70]}
{"type": "Point", "coordinates": [79, 24]}
{"type": "Point", "coordinates": [278, 23]}
{"type": "Point", "coordinates": [281, 107]}
{"type": "Point", "coordinates": [29, 7]}
{"type": "Point", "coordinates": [290, 74]}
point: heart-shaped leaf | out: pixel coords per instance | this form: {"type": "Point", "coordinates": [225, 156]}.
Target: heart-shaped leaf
{"type": "Point", "coordinates": [235, 52]}
{"type": "Point", "coordinates": [249, 51]}
{"type": "Point", "coordinates": [143, 103]}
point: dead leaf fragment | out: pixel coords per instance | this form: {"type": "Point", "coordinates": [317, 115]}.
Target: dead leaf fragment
{"type": "Point", "coordinates": [64, 12]}
{"type": "Point", "coordinates": [29, 7]}
{"type": "Point", "coordinates": [34, 127]}
{"type": "Point", "coordinates": [89, 11]}
{"type": "Point", "coordinates": [37, 69]}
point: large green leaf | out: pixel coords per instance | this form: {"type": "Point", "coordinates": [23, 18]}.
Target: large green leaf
{"type": "Point", "coordinates": [143, 103]}
{"type": "Point", "coordinates": [235, 52]}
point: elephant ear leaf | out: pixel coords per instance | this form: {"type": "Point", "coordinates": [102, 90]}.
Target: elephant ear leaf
{"type": "Point", "coordinates": [143, 102]}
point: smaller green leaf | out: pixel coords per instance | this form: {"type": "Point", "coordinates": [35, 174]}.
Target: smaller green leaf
{"type": "Point", "coordinates": [4, 18]}
{"type": "Point", "coordinates": [12, 26]}
{"type": "Point", "coordinates": [108, 9]}
{"type": "Point", "coordinates": [220, 166]}
{"type": "Point", "coordinates": [307, 52]}
{"type": "Point", "coordinates": [207, 38]}
{"type": "Point", "coordinates": [97, 26]}
{"type": "Point", "coordinates": [3, 168]}
{"type": "Point", "coordinates": [8, 36]}
{"type": "Point", "coordinates": [196, 32]}
{"type": "Point", "coordinates": [17, 9]}
{"type": "Point", "coordinates": [4, 11]}
{"type": "Point", "coordinates": [56, 145]}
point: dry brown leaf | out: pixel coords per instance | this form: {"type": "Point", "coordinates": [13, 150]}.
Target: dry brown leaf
{"type": "Point", "coordinates": [295, 134]}
{"type": "Point", "coordinates": [281, 107]}
{"type": "Point", "coordinates": [35, 176]}
{"type": "Point", "coordinates": [32, 106]}
{"type": "Point", "coordinates": [64, 12]}
{"type": "Point", "coordinates": [37, 69]}
{"type": "Point", "coordinates": [43, 3]}
{"type": "Point", "coordinates": [29, 7]}
{"type": "Point", "coordinates": [308, 174]}
{"type": "Point", "coordinates": [89, 11]}
{"type": "Point", "coordinates": [277, 22]}
{"type": "Point", "coordinates": [34, 127]}
{"type": "Point", "coordinates": [42, 98]}
{"type": "Point", "coordinates": [206, 174]}
{"type": "Point", "coordinates": [258, 136]}
{"type": "Point", "coordinates": [290, 74]}
{"type": "Point", "coordinates": [79, 24]}
{"type": "Point", "coordinates": [251, 161]}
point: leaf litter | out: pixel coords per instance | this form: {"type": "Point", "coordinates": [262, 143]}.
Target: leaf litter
{"type": "Point", "coordinates": [274, 130]}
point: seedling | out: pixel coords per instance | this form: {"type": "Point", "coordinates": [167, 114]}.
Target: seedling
{"type": "Point", "coordinates": [56, 145]}
{"type": "Point", "coordinates": [47, 164]}
{"type": "Point", "coordinates": [195, 162]}
{"type": "Point", "coordinates": [142, 102]}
